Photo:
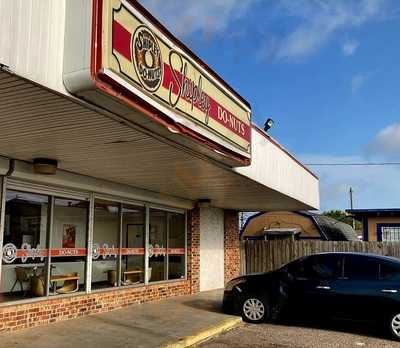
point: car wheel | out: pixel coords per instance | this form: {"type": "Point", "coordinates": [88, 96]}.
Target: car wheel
{"type": "Point", "coordinates": [254, 309]}
{"type": "Point", "coordinates": [394, 325]}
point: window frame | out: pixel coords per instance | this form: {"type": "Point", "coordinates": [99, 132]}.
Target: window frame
{"type": "Point", "coordinates": [379, 232]}
{"type": "Point", "coordinates": [46, 268]}
{"type": "Point", "coordinates": [390, 264]}
{"type": "Point", "coordinates": [89, 196]}
{"type": "Point", "coordinates": [375, 261]}
{"type": "Point", "coordinates": [3, 186]}
{"type": "Point", "coordinates": [309, 261]}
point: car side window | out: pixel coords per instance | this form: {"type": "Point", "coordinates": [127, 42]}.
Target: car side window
{"type": "Point", "coordinates": [361, 268]}
{"type": "Point", "coordinates": [317, 267]}
{"type": "Point", "coordinates": [300, 269]}
{"type": "Point", "coordinates": [327, 266]}
{"type": "Point", "coordinates": [388, 271]}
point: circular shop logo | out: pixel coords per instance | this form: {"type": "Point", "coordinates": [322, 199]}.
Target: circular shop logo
{"type": "Point", "coordinates": [9, 253]}
{"type": "Point", "coordinates": [147, 58]}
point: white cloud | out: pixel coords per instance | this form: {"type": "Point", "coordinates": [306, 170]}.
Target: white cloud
{"type": "Point", "coordinates": [386, 143]}
{"type": "Point", "coordinates": [204, 16]}
{"type": "Point", "coordinates": [374, 186]}
{"type": "Point", "coordinates": [319, 20]}
{"type": "Point", "coordinates": [358, 81]}
{"type": "Point", "coordinates": [349, 47]}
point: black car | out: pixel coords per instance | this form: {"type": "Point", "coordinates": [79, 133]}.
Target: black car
{"type": "Point", "coordinates": [329, 285]}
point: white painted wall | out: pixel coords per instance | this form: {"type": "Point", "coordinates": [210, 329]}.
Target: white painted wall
{"type": "Point", "coordinates": [32, 39]}
{"type": "Point", "coordinates": [273, 167]}
{"type": "Point", "coordinates": [211, 248]}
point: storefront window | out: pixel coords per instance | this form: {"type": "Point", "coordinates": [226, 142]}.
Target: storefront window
{"type": "Point", "coordinates": [118, 252]}
{"type": "Point", "coordinates": [133, 241]}
{"type": "Point", "coordinates": [105, 244]}
{"type": "Point", "coordinates": [24, 246]}
{"type": "Point", "coordinates": [157, 245]}
{"type": "Point", "coordinates": [176, 246]}
{"type": "Point", "coordinates": [68, 246]}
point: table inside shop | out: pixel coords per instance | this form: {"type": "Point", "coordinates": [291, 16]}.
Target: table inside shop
{"type": "Point", "coordinates": [54, 279]}
{"type": "Point", "coordinates": [127, 273]}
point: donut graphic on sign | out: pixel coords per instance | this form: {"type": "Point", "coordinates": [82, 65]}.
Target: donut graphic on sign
{"type": "Point", "coordinates": [147, 58]}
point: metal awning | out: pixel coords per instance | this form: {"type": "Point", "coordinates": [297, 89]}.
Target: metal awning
{"type": "Point", "coordinates": [38, 122]}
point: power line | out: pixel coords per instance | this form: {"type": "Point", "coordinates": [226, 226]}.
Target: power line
{"type": "Point", "coordinates": [355, 164]}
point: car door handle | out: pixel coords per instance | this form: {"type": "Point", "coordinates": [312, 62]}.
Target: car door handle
{"type": "Point", "coordinates": [389, 291]}
{"type": "Point", "coordinates": [323, 287]}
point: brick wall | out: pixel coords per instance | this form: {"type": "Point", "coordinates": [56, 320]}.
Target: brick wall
{"type": "Point", "coordinates": [23, 316]}
{"type": "Point", "coordinates": [193, 261]}
{"type": "Point", "coordinates": [231, 245]}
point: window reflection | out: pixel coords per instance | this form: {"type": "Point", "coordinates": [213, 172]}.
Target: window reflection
{"type": "Point", "coordinates": [133, 241]}
{"type": "Point", "coordinates": [119, 234]}
{"type": "Point", "coordinates": [24, 246]}
{"type": "Point", "coordinates": [105, 244]}
{"type": "Point", "coordinates": [176, 246]}
{"type": "Point", "coordinates": [68, 247]}
{"type": "Point", "coordinates": [158, 245]}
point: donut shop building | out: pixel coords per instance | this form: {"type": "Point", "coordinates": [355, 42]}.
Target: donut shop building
{"type": "Point", "coordinates": [124, 161]}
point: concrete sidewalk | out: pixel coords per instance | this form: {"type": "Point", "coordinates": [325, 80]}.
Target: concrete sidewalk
{"type": "Point", "coordinates": [176, 322]}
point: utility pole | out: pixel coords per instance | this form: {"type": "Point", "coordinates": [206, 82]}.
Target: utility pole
{"type": "Point", "coordinates": [351, 206]}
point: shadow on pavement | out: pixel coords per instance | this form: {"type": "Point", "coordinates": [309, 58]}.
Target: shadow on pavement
{"type": "Point", "coordinates": [209, 305]}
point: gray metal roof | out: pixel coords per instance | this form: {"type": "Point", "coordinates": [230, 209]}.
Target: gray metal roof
{"type": "Point", "coordinates": [334, 229]}
{"type": "Point", "coordinates": [329, 228]}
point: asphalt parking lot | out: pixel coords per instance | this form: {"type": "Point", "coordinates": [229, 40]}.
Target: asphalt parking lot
{"type": "Point", "coordinates": [280, 336]}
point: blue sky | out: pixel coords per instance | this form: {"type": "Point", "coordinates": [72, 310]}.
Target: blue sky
{"type": "Point", "coordinates": [327, 72]}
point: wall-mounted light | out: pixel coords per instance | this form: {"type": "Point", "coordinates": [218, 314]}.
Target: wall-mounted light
{"type": "Point", "coordinates": [45, 166]}
{"type": "Point", "coordinates": [268, 124]}
{"type": "Point", "coordinates": [204, 203]}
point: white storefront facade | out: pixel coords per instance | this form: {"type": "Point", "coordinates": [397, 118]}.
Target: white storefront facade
{"type": "Point", "coordinates": [155, 156]}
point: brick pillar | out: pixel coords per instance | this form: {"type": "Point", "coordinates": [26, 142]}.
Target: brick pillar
{"type": "Point", "coordinates": [231, 245]}
{"type": "Point", "coordinates": [193, 251]}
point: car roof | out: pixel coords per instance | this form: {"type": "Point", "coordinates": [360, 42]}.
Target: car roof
{"type": "Point", "coordinates": [375, 256]}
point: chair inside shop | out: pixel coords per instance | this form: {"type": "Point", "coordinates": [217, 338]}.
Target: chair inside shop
{"type": "Point", "coordinates": [22, 276]}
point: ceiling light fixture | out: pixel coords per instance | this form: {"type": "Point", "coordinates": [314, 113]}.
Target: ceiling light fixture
{"type": "Point", "coordinates": [45, 166]}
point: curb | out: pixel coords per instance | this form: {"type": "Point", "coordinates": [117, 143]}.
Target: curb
{"type": "Point", "coordinates": [205, 334]}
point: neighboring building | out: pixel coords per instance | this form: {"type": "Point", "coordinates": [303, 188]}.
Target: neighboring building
{"type": "Point", "coordinates": [300, 224]}
{"type": "Point", "coordinates": [155, 157]}
{"type": "Point", "coordinates": [381, 225]}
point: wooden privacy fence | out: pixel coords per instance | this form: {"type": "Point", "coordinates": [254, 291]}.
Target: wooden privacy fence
{"type": "Point", "coordinates": [263, 256]}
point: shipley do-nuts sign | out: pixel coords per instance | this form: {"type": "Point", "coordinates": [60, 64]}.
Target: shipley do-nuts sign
{"type": "Point", "coordinates": [141, 56]}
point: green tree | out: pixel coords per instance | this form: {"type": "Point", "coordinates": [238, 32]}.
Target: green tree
{"type": "Point", "coordinates": [343, 217]}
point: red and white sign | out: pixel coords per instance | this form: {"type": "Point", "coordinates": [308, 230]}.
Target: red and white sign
{"type": "Point", "coordinates": [136, 60]}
